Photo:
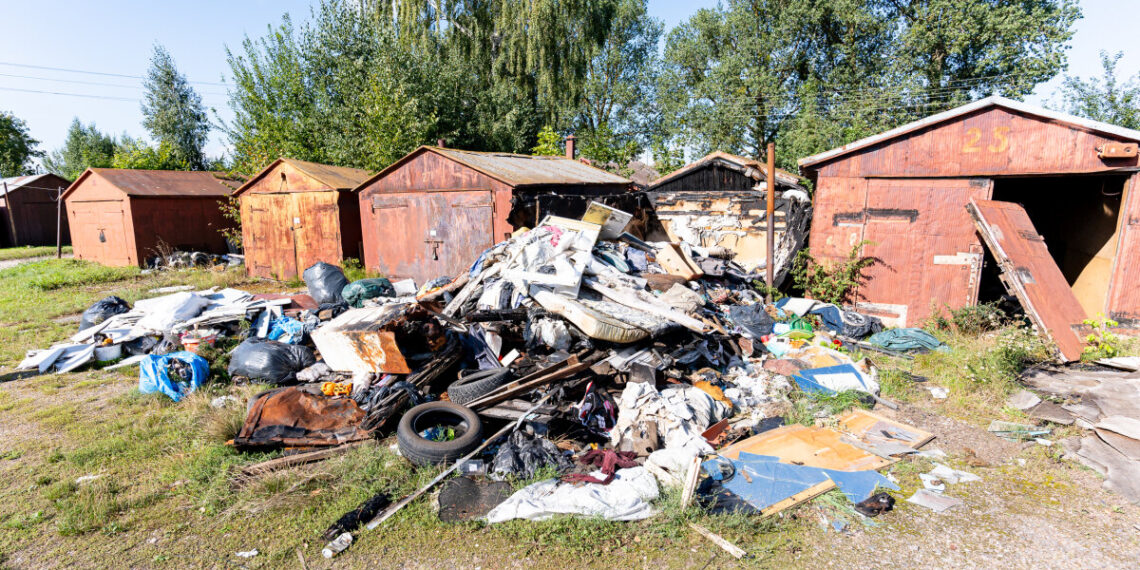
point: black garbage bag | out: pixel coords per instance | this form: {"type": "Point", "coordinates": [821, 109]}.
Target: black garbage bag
{"type": "Point", "coordinates": [358, 291]}
{"type": "Point", "coordinates": [325, 282]}
{"type": "Point", "coordinates": [523, 454]}
{"type": "Point", "coordinates": [270, 361]}
{"type": "Point", "coordinates": [753, 319]}
{"type": "Point", "coordinates": [102, 310]}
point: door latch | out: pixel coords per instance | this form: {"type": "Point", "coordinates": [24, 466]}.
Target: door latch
{"type": "Point", "coordinates": [434, 243]}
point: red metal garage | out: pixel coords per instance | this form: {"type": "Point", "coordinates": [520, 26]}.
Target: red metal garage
{"type": "Point", "coordinates": [905, 192]}
{"type": "Point", "coordinates": [125, 217]}
{"type": "Point", "coordinates": [28, 214]}
{"type": "Point", "coordinates": [434, 211]}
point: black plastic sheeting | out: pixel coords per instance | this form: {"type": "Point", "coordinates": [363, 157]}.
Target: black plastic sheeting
{"type": "Point", "coordinates": [325, 282]}
{"type": "Point", "coordinates": [270, 361]}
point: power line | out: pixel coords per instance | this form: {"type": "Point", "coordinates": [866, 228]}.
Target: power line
{"type": "Point", "coordinates": [98, 83]}
{"type": "Point", "coordinates": [84, 95]}
{"type": "Point", "coordinates": [46, 68]}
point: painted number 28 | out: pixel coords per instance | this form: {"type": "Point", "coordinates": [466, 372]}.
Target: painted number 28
{"type": "Point", "coordinates": [999, 140]}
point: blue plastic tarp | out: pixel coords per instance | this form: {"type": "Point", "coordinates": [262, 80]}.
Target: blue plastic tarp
{"type": "Point", "coordinates": [834, 379]}
{"type": "Point", "coordinates": [287, 330]}
{"type": "Point", "coordinates": [153, 376]}
{"type": "Point", "coordinates": [906, 339]}
{"type": "Point", "coordinates": [772, 481]}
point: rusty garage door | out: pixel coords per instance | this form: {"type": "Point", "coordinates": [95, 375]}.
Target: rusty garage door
{"type": "Point", "coordinates": [101, 234]}
{"type": "Point", "coordinates": [1029, 272]}
{"type": "Point", "coordinates": [431, 234]}
{"type": "Point", "coordinates": [923, 262]}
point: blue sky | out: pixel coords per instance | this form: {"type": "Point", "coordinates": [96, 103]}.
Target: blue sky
{"type": "Point", "coordinates": [115, 37]}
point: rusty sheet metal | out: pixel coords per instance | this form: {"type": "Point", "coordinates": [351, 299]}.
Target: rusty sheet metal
{"type": "Point", "coordinates": [166, 182]}
{"type": "Point", "coordinates": [1123, 296]}
{"type": "Point", "coordinates": [356, 342]}
{"type": "Point", "coordinates": [377, 339]}
{"type": "Point", "coordinates": [735, 220]}
{"type": "Point", "coordinates": [293, 416]}
{"type": "Point", "coordinates": [30, 210]}
{"type": "Point", "coordinates": [1029, 272]}
{"type": "Point", "coordinates": [526, 170]}
{"type": "Point", "coordinates": [1063, 122]}
{"type": "Point", "coordinates": [429, 235]}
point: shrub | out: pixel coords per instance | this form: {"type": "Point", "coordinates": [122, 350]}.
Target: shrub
{"type": "Point", "coordinates": [833, 282]}
{"type": "Point", "coordinates": [972, 320]}
{"type": "Point", "coordinates": [1102, 343]}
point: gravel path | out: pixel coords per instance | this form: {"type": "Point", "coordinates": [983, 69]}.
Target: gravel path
{"type": "Point", "coordinates": [14, 262]}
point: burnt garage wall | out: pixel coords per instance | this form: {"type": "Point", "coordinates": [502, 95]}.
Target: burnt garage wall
{"type": "Point", "coordinates": [905, 199]}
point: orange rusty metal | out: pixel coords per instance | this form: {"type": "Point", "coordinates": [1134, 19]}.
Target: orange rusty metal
{"type": "Point", "coordinates": [28, 210]}
{"type": "Point", "coordinates": [296, 213]}
{"type": "Point", "coordinates": [1029, 272]}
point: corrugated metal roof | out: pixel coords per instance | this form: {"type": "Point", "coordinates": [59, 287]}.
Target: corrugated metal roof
{"type": "Point", "coordinates": [991, 101]}
{"type": "Point", "coordinates": [526, 170]}
{"type": "Point", "coordinates": [759, 170]}
{"type": "Point", "coordinates": [338, 177]}
{"type": "Point", "coordinates": [166, 182]}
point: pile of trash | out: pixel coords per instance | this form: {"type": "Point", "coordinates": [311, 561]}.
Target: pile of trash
{"type": "Point", "coordinates": [572, 348]}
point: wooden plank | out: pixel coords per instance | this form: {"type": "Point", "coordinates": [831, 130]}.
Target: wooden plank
{"type": "Point", "coordinates": [300, 459]}
{"type": "Point", "coordinates": [799, 498]}
{"type": "Point", "coordinates": [718, 540]}
{"type": "Point", "coordinates": [1030, 272]}
{"type": "Point", "coordinates": [860, 422]}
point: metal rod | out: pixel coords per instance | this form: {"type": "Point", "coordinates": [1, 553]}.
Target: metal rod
{"type": "Point", "coordinates": [770, 273]}
{"type": "Point", "coordinates": [59, 222]}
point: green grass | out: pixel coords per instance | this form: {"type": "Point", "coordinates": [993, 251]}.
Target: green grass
{"type": "Point", "coordinates": [25, 252]}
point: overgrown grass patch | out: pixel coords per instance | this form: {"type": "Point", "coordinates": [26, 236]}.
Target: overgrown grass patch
{"type": "Point", "coordinates": [27, 251]}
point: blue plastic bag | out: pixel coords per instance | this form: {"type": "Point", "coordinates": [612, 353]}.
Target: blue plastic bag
{"type": "Point", "coordinates": [287, 330]}
{"type": "Point", "coordinates": [153, 376]}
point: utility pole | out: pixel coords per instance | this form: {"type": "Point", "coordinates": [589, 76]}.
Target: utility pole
{"type": "Point", "coordinates": [769, 218]}
{"type": "Point", "coordinates": [11, 220]}
{"type": "Point", "coordinates": [59, 222]}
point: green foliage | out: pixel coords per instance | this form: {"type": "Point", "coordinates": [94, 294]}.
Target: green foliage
{"type": "Point", "coordinates": [26, 251]}
{"type": "Point", "coordinates": [817, 74]}
{"type": "Point", "coordinates": [17, 147]}
{"type": "Point", "coordinates": [972, 319]}
{"type": "Point", "coordinates": [830, 282]}
{"type": "Point", "coordinates": [1102, 342]}
{"type": "Point", "coordinates": [807, 406]}
{"type": "Point", "coordinates": [85, 147]}
{"type": "Point", "coordinates": [1106, 99]}
{"type": "Point", "coordinates": [231, 210]}
{"type": "Point", "coordinates": [549, 143]}
{"type": "Point", "coordinates": [1010, 351]}
{"type": "Point", "coordinates": [173, 113]}
{"type": "Point", "coordinates": [136, 154]}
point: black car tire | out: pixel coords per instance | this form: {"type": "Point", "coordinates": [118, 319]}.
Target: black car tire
{"type": "Point", "coordinates": [477, 384]}
{"type": "Point", "coordinates": [422, 451]}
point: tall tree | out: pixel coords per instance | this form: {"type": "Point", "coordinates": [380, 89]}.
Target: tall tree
{"type": "Point", "coordinates": [820, 73]}
{"type": "Point", "coordinates": [1106, 99]}
{"type": "Point", "coordinates": [17, 147]}
{"type": "Point", "coordinates": [85, 147]}
{"type": "Point", "coordinates": [173, 112]}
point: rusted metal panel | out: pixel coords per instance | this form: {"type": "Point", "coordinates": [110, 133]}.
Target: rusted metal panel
{"type": "Point", "coordinates": [837, 226]}
{"type": "Point", "coordinates": [184, 224]}
{"type": "Point", "coordinates": [996, 131]}
{"type": "Point", "coordinates": [927, 253]}
{"type": "Point", "coordinates": [291, 175]}
{"type": "Point", "coordinates": [987, 142]}
{"type": "Point", "coordinates": [99, 232]}
{"type": "Point", "coordinates": [30, 216]}
{"type": "Point", "coordinates": [727, 172]}
{"type": "Point", "coordinates": [1029, 272]}
{"type": "Point", "coordinates": [526, 170]}
{"type": "Point", "coordinates": [316, 228]}
{"type": "Point", "coordinates": [375, 339]}
{"type": "Point", "coordinates": [1124, 296]}
{"type": "Point", "coordinates": [428, 235]}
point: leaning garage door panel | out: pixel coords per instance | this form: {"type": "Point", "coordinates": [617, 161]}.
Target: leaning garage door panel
{"type": "Point", "coordinates": [431, 234]}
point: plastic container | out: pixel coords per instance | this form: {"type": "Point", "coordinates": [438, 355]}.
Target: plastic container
{"type": "Point", "coordinates": [108, 353]}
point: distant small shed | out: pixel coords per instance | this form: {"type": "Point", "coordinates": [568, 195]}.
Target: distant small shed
{"type": "Point", "coordinates": [989, 197]}
{"type": "Point", "coordinates": [435, 210]}
{"type": "Point", "coordinates": [720, 200]}
{"type": "Point", "coordinates": [128, 217]}
{"type": "Point", "coordinates": [28, 210]}
{"type": "Point", "coordinates": [296, 213]}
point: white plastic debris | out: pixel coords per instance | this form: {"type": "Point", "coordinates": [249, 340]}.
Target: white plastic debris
{"type": "Point", "coordinates": [950, 475]}
{"type": "Point", "coordinates": [939, 393]}
{"type": "Point", "coordinates": [247, 553]}
{"type": "Point", "coordinates": [626, 498]}
{"type": "Point", "coordinates": [934, 501]}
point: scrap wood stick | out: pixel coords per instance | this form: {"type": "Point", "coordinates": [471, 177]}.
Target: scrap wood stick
{"type": "Point", "coordinates": [719, 540]}
{"type": "Point", "coordinates": [388, 512]}
{"type": "Point", "coordinates": [300, 459]}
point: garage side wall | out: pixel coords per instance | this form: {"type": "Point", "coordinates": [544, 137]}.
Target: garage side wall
{"type": "Point", "coordinates": [184, 224]}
